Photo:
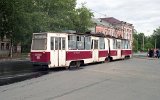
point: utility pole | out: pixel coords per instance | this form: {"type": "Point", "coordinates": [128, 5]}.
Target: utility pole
{"type": "Point", "coordinates": [137, 44]}
{"type": "Point", "coordinates": [143, 42]}
{"type": "Point", "coordinates": [155, 44]}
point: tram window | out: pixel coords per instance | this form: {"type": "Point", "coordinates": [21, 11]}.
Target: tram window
{"type": "Point", "coordinates": [101, 43]}
{"type": "Point", "coordinates": [72, 45]}
{"type": "Point", "coordinates": [118, 45]}
{"type": "Point", "coordinates": [72, 37]}
{"type": "Point", "coordinates": [71, 42]}
{"type": "Point", "coordinates": [87, 43]}
{"type": "Point", "coordinates": [39, 44]}
{"type": "Point", "coordinates": [52, 43]}
{"type": "Point", "coordinates": [60, 48]}
{"type": "Point", "coordinates": [92, 45]}
{"type": "Point", "coordinates": [80, 45]}
{"type": "Point", "coordinates": [56, 43]}
{"type": "Point", "coordinates": [82, 38]}
{"type": "Point", "coordinates": [128, 45]}
{"type": "Point", "coordinates": [95, 44]}
{"type": "Point", "coordinates": [80, 42]}
{"type": "Point", "coordinates": [123, 44]}
{"type": "Point", "coordinates": [63, 44]}
{"type": "Point", "coordinates": [114, 44]}
{"type": "Point", "coordinates": [78, 38]}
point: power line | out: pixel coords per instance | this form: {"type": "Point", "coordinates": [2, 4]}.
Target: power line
{"type": "Point", "coordinates": [99, 12]}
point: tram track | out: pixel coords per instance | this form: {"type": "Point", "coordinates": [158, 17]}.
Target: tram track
{"type": "Point", "coordinates": [9, 79]}
{"type": "Point", "coordinates": [13, 72]}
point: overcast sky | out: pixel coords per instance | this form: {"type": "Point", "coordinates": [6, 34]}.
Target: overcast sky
{"type": "Point", "coordinates": [143, 14]}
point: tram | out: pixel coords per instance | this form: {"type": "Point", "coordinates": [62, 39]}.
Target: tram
{"type": "Point", "coordinates": [73, 49]}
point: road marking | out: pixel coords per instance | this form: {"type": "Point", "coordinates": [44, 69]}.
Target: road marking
{"type": "Point", "coordinates": [98, 71]}
{"type": "Point", "coordinates": [146, 58]}
{"type": "Point", "coordinates": [78, 89]}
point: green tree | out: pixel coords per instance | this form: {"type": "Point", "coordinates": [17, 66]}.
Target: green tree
{"type": "Point", "coordinates": [12, 20]}
{"type": "Point", "coordinates": [155, 38]}
{"type": "Point", "coordinates": [59, 13]}
{"type": "Point", "coordinates": [141, 42]}
{"type": "Point", "coordinates": [135, 42]}
{"type": "Point", "coordinates": [16, 20]}
{"type": "Point", "coordinates": [83, 19]}
{"type": "Point", "coordinates": [19, 19]}
{"type": "Point", "coordinates": [148, 43]}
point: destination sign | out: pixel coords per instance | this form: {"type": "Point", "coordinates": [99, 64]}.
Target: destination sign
{"type": "Point", "coordinates": [40, 36]}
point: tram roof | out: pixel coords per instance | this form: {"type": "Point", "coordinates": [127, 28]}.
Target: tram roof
{"type": "Point", "coordinates": [85, 34]}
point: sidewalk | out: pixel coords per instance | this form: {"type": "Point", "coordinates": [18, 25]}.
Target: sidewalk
{"type": "Point", "coordinates": [22, 57]}
{"type": "Point", "coordinates": [143, 56]}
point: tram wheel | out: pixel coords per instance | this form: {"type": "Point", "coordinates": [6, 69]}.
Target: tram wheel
{"type": "Point", "coordinates": [74, 64]}
{"type": "Point", "coordinates": [78, 63]}
{"type": "Point", "coordinates": [109, 59]}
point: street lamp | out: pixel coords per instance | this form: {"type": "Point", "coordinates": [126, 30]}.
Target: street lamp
{"type": "Point", "coordinates": [143, 42]}
{"type": "Point", "coordinates": [137, 44]}
{"type": "Point", "coordinates": [155, 44]}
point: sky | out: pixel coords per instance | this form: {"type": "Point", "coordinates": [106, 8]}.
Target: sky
{"type": "Point", "coordinates": [143, 14]}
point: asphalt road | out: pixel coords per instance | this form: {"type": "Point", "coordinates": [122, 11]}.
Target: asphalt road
{"type": "Point", "coordinates": [133, 79]}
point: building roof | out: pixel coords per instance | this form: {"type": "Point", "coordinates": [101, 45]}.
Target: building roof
{"type": "Point", "coordinates": [99, 21]}
{"type": "Point", "coordinates": [111, 20]}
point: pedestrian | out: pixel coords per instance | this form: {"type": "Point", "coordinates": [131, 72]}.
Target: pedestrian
{"type": "Point", "coordinates": [149, 53]}
{"type": "Point", "coordinates": [152, 52]}
{"type": "Point", "coordinates": [158, 53]}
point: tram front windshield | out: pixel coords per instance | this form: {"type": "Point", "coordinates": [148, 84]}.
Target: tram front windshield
{"type": "Point", "coordinates": [39, 42]}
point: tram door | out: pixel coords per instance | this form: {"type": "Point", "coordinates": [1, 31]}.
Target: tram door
{"type": "Point", "coordinates": [95, 49]}
{"type": "Point", "coordinates": [118, 49]}
{"type": "Point", "coordinates": [58, 54]}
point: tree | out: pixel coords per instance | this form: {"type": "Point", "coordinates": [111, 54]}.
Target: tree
{"type": "Point", "coordinates": [135, 42]}
{"type": "Point", "coordinates": [15, 21]}
{"type": "Point", "coordinates": [83, 19]}
{"type": "Point", "coordinates": [9, 20]}
{"type": "Point", "coordinates": [141, 42]}
{"type": "Point", "coordinates": [149, 45]}
{"type": "Point", "coordinates": [152, 41]}
{"type": "Point", "coordinates": [19, 19]}
{"type": "Point", "coordinates": [155, 38]}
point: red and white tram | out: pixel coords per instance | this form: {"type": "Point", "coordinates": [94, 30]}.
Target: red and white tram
{"type": "Point", "coordinates": [69, 49]}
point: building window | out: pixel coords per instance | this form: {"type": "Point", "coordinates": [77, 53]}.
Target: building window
{"type": "Point", "coordinates": [2, 46]}
{"type": "Point", "coordinates": [7, 46]}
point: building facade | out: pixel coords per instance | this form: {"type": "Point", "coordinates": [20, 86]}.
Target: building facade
{"type": "Point", "coordinates": [113, 27]}
{"type": "Point", "coordinates": [4, 47]}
